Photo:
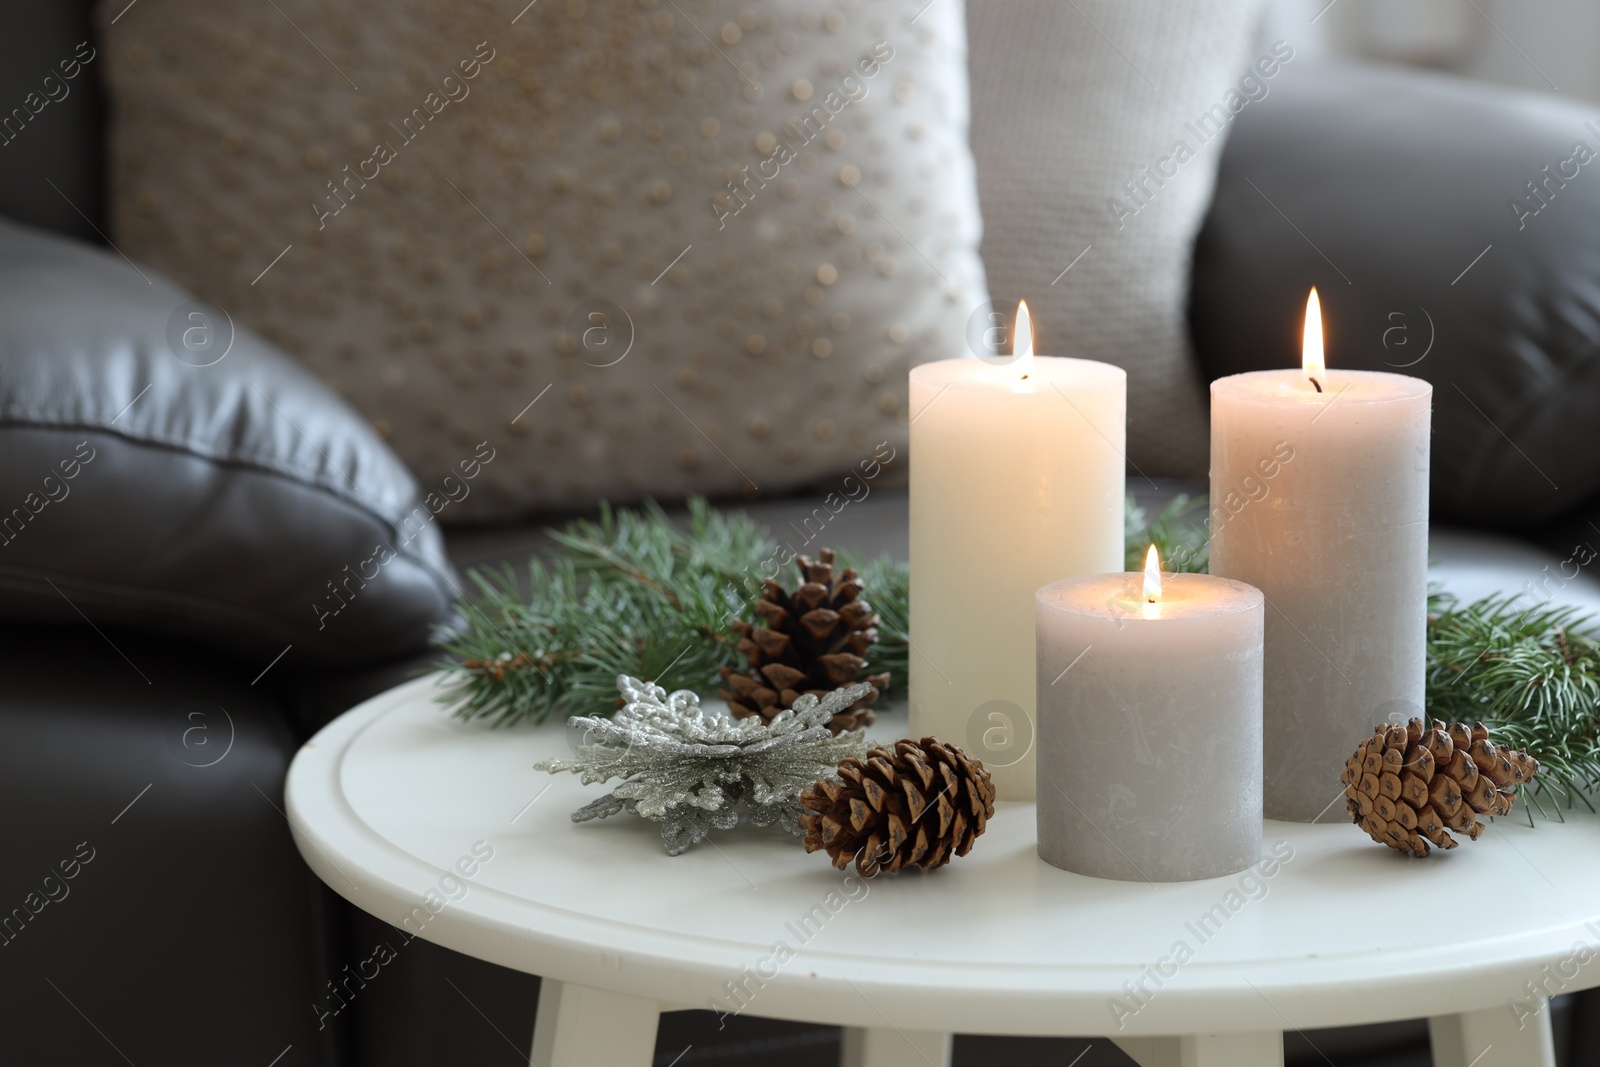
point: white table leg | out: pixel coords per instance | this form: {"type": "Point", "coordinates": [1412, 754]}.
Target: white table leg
{"type": "Point", "coordinates": [1494, 1037]}
{"type": "Point", "coordinates": [883, 1046]}
{"type": "Point", "coordinates": [1205, 1050]}
{"type": "Point", "coordinates": [582, 1027]}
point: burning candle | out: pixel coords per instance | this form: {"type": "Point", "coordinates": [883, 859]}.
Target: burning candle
{"type": "Point", "coordinates": [1149, 697]}
{"type": "Point", "coordinates": [1319, 498]}
{"type": "Point", "coordinates": [1016, 480]}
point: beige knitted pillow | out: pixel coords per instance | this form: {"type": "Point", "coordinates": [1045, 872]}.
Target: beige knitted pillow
{"type": "Point", "coordinates": [1071, 103]}
{"type": "Point", "coordinates": [635, 244]}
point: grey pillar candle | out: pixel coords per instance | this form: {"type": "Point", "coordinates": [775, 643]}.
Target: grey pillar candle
{"type": "Point", "coordinates": [1149, 726]}
{"type": "Point", "coordinates": [1320, 500]}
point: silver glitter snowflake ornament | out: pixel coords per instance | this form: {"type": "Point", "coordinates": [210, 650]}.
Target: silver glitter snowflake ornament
{"type": "Point", "coordinates": [694, 771]}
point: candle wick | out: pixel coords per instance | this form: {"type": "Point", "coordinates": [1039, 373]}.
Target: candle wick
{"type": "Point", "coordinates": [1315, 383]}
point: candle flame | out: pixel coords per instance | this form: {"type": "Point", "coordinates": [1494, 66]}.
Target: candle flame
{"type": "Point", "coordinates": [1311, 360]}
{"type": "Point", "coordinates": [1152, 575]}
{"type": "Point", "coordinates": [1022, 341]}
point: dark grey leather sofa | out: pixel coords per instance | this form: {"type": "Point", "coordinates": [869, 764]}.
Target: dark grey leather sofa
{"type": "Point", "coordinates": [189, 933]}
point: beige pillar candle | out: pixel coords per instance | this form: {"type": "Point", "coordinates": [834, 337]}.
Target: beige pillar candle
{"type": "Point", "coordinates": [1016, 480]}
{"type": "Point", "coordinates": [1149, 725]}
{"type": "Point", "coordinates": [1319, 498]}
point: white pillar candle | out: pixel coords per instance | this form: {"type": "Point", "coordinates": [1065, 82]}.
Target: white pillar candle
{"type": "Point", "coordinates": [1016, 480]}
{"type": "Point", "coordinates": [1149, 725]}
{"type": "Point", "coordinates": [1319, 498]}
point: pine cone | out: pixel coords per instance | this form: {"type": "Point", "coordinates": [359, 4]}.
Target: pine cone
{"type": "Point", "coordinates": [813, 642]}
{"type": "Point", "coordinates": [1406, 785]}
{"type": "Point", "coordinates": [915, 805]}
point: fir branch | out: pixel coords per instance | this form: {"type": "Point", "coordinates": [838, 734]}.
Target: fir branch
{"type": "Point", "coordinates": [633, 593]}
{"type": "Point", "coordinates": [647, 546]}
{"type": "Point", "coordinates": [630, 594]}
{"type": "Point", "coordinates": [1178, 532]}
{"type": "Point", "coordinates": [1531, 673]}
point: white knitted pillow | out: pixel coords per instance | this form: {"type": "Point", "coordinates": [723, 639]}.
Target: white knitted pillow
{"type": "Point", "coordinates": [635, 244]}
{"type": "Point", "coordinates": [1071, 103]}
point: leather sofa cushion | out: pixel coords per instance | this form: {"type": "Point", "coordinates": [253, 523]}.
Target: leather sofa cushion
{"type": "Point", "coordinates": [163, 471]}
{"type": "Point", "coordinates": [150, 873]}
{"type": "Point", "coordinates": [1405, 198]}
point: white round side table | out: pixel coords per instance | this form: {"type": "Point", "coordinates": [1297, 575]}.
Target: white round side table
{"type": "Point", "coordinates": [443, 829]}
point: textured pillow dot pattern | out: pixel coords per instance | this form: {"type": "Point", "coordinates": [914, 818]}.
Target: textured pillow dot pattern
{"type": "Point", "coordinates": [641, 246]}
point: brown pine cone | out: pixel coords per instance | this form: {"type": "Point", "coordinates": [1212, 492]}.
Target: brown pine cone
{"type": "Point", "coordinates": [1406, 785]}
{"type": "Point", "coordinates": [814, 641]}
{"type": "Point", "coordinates": [914, 805]}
